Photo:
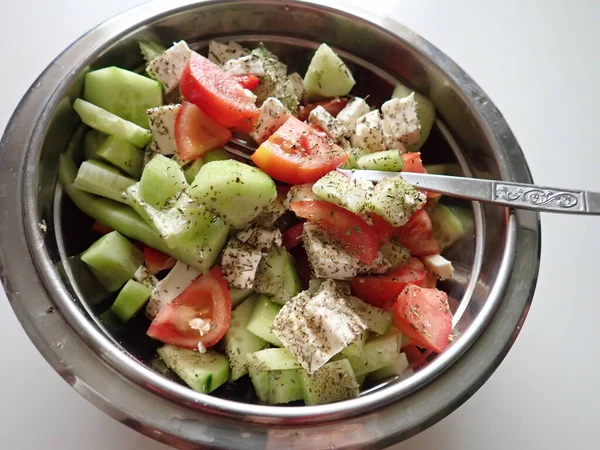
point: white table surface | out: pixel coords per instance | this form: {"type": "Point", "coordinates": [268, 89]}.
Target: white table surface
{"type": "Point", "coordinates": [540, 66]}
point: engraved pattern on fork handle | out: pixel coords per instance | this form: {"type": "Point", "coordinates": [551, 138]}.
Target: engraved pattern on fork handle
{"type": "Point", "coordinates": [538, 197]}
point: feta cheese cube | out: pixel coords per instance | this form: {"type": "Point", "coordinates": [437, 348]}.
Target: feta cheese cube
{"type": "Point", "coordinates": [369, 132]}
{"type": "Point", "coordinates": [298, 193]}
{"type": "Point", "coordinates": [329, 124]}
{"type": "Point", "coordinates": [168, 66]}
{"type": "Point", "coordinates": [260, 238]}
{"type": "Point", "coordinates": [315, 328]}
{"type": "Point", "coordinates": [239, 264]}
{"type": "Point", "coordinates": [356, 107]}
{"type": "Point", "coordinates": [220, 53]}
{"type": "Point", "coordinates": [246, 65]}
{"type": "Point", "coordinates": [169, 288]}
{"type": "Point", "coordinates": [400, 122]}
{"type": "Point", "coordinates": [439, 266]}
{"type": "Point", "coordinates": [162, 125]}
{"type": "Point", "coordinates": [327, 257]}
{"type": "Point", "coordinates": [143, 276]}
{"type": "Point", "coordinates": [271, 115]}
{"type": "Point", "coordinates": [297, 84]}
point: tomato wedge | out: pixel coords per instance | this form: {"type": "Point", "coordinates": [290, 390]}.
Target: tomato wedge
{"type": "Point", "coordinates": [423, 315]}
{"type": "Point", "coordinates": [100, 228]}
{"type": "Point", "coordinates": [292, 237]}
{"type": "Point", "coordinates": [333, 107]}
{"type": "Point", "coordinates": [414, 163]}
{"type": "Point", "coordinates": [205, 298]}
{"type": "Point", "coordinates": [353, 232]}
{"type": "Point", "coordinates": [219, 94]}
{"type": "Point", "coordinates": [430, 281]}
{"type": "Point", "coordinates": [157, 261]}
{"type": "Point", "coordinates": [417, 235]}
{"type": "Point", "coordinates": [382, 290]}
{"type": "Point", "coordinates": [250, 82]}
{"type": "Point", "coordinates": [383, 229]}
{"type": "Point", "coordinates": [298, 153]}
{"type": "Point", "coordinates": [196, 133]}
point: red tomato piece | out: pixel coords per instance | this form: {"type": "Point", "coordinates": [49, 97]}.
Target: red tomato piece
{"type": "Point", "coordinates": [383, 229]}
{"type": "Point", "coordinates": [430, 281]}
{"type": "Point", "coordinates": [423, 316]}
{"type": "Point", "coordinates": [353, 232]}
{"type": "Point", "coordinates": [382, 290]}
{"type": "Point", "coordinates": [196, 133]}
{"type": "Point", "coordinates": [414, 163]}
{"type": "Point", "coordinates": [292, 237]}
{"type": "Point", "coordinates": [298, 153]}
{"type": "Point", "coordinates": [100, 228]}
{"type": "Point", "coordinates": [250, 82]}
{"type": "Point", "coordinates": [219, 94]}
{"type": "Point", "coordinates": [412, 352]}
{"type": "Point", "coordinates": [157, 261]}
{"type": "Point", "coordinates": [333, 107]}
{"type": "Point", "coordinates": [205, 298]}
{"type": "Point", "coordinates": [417, 235]}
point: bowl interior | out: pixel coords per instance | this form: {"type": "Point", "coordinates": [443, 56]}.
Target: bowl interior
{"type": "Point", "coordinates": [377, 58]}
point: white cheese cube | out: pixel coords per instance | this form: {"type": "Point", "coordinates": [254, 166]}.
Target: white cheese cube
{"type": "Point", "coordinates": [329, 124]}
{"type": "Point", "coordinates": [220, 53]}
{"type": "Point", "coordinates": [162, 125]}
{"type": "Point", "coordinates": [348, 116]}
{"type": "Point", "coordinates": [260, 238]}
{"type": "Point", "coordinates": [298, 193]}
{"type": "Point", "coordinates": [315, 328]}
{"type": "Point", "coordinates": [168, 66]}
{"type": "Point", "coordinates": [298, 84]}
{"type": "Point", "coordinates": [327, 257]}
{"type": "Point", "coordinates": [271, 115]}
{"type": "Point", "coordinates": [369, 132]}
{"type": "Point", "coordinates": [240, 263]}
{"type": "Point", "coordinates": [143, 276]}
{"type": "Point", "coordinates": [400, 122]}
{"type": "Point", "coordinates": [246, 65]}
{"type": "Point", "coordinates": [439, 266]}
{"type": "Point", "coordinates": [169, 288]}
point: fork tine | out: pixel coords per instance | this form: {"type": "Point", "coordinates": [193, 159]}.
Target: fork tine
{"type": "Point", "coordinates": [239, 152]}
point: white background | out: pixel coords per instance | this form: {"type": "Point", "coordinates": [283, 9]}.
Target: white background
{"type": "Point", "coordinates": [538, 60]}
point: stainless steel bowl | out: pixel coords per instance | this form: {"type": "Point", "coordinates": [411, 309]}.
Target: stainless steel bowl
{"type": "Point", "coordinates": [497, 267]}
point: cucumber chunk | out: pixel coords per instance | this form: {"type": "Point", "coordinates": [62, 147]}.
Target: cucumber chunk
{"type": "Point", "coordinates": [377, 320]}
{"type": "Point", "coordinates": [338, 189]}
{"type": "Point", "coordinates": [130, 300]}
{"type": "Point", "coordinates": [395, 200]}
{"type": "Point", "coordinates": [447, 227]}
{"type": "Point", "coordinates": [150, 49]}
{"type": "Point", "coordinates": [108, 123]}
{"type": "Point", "coordinates": [275, 82]}
{"type": "Point", "coordinates": [396, 254]}
{"type": "Point", "coordinates": [92, 141]}
{"type": "Point", "coordinates": [425, 113]}
{"type": "Point", "coordinates": [113, 259]}
{"type": "Point", "coordinates": [262, 319]}
{"type": "Point", "coordinates": [277, 275]}
{"type": "Point", "coordinates": [238, 295]}
{"type": "Point", "coordinates": [333, 382]}
{"type": "Point", "coordinates": [123, 93]}
{"type": "Point", "coordinates": [203, 372]}
{"type": "Point", "coordinates": [355, 348]}
{"type": "Point", "coordinates": [236, 191]}
{"type": "Point", "coordinates": [101, 180]}
{"type": "Point", "coordinates": [239, 342]}
{"type": "Point", "coordinates": [396, 368]}
{"type": "Point", "coordinates": [273, 359]}
{"type": "Point", "coordinates": [123, 155]}
{"type": "Point", "coordinates": [161, 180]}
{"type": "Point", "coordinates": [353, 155]}
{"type": "Point", "coordinates": [284, 386]}
{"type": "Point", "coordinates": [387, 161]}
{"type": "Point", "coordinates": [378, 352]}
{"type": "Point", "coordinates": [192, 170]}
{"type": "Point", "coordinates": [327, 75]}
{"type": "Point", "coordinates": [260, 381]}
{"type": "Point", "coordinates": [218, 154]}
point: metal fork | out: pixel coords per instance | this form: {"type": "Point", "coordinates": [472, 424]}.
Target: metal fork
{"type": "Point", "coordinates": [506, 193]}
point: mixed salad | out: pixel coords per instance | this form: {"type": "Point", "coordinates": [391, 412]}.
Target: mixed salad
{"type": "Point", "coordinates": [281, 268]}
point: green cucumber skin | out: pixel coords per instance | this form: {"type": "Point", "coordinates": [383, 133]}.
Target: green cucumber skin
{"type": "Point", "coordinates": [92, 177]}
{"type": "Point", "coordinates": [161, 180]}
{"type": "Point", "coordinates": [130, 300]}
{"type": "Point", "coordinates": [123, 155]}
{"type": "Point", "coordinates": [262, 318]}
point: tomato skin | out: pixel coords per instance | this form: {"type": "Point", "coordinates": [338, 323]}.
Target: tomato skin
{"type": "Point", "coordinates": [207, 298]}
{"type": "Point", "coordinates": [414, 163]}
{"type": "Point", "coordinates": [292, 237]}
{"type": "Point", "coordinates": [430, 281]}
{"type": "Point", "coordinates": [384, 230]}
{"type": "Point", "coordinates": [298, 153]}
{"type": "Point", "coordinates": [333, 107]}
{"type": "Point", "coordinates": [157, 261]}
{"type": "Point", "coordinates": [249, 82]}
{"type": "Point", "coordinates": [355, 234]}
{"type": "Point", "coordinates": [100, 228]}
{"type": "Point", "coordinates": [423, 316]}
{"type": "Point", "coordinates": [196, 133]}
{"type": "Point", "coordinates": [417, 235]}
{"type": "Point", "coordinates": [218, 93]}
{"type": "Point", "coordinates": [382, 290]}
